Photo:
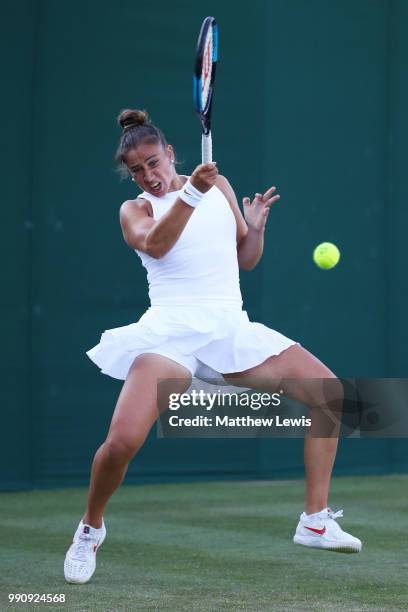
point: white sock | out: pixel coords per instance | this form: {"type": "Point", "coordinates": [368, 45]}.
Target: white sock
{"type": "Point", "coordinates": [315, 513]}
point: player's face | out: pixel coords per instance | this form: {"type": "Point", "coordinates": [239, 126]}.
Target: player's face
{"type": "Point", "coordinates": [150, 165]}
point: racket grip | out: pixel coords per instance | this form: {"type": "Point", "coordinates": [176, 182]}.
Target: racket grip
{"type": "Point", "coordinates": [206, 148]}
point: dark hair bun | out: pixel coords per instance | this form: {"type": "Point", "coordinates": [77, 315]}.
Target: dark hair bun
{"type": "Point", "coordinates": [131, 118]}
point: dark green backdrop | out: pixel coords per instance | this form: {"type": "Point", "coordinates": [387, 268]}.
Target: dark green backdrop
{"type": "Point", "coordinates": [310, 96]}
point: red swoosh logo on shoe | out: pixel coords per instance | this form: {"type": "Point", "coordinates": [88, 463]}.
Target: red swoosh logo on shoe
{"type": "Point", "coordinates": [319, 531]}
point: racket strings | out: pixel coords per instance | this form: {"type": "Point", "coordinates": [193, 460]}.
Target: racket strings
{"type": "Point", "coordinates": [207, 68]}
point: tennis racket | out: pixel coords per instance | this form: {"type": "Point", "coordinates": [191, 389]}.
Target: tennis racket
{"type": "Point", "coordinates": [204, 75]}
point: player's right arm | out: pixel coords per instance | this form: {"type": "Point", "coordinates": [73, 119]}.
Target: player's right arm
{"type": "Point", "coordinates": [156, 238]}
{"type": "Point", "coordinates": [143, 233]}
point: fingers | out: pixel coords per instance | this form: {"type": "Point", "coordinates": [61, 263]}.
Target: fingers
{"type": "Point", "coordinates": [272, 200]}
{"type": "Point", "coordinates": [264, 199]}
{"type": "Point", "coordinates": [268, 198]}
{"type": "Point", "coordinates": [209, 168]}
{"type": "Point", "coordinates": [206, 169]}
{"type": "Point", "coordinates": [204, 176]}
{"type": "Point", "coordinates": [257, 211]}
{"type": "Point", "coordinates": [269, 192]}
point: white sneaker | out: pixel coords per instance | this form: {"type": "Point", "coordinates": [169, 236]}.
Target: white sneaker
{"type": "Point", "coordinates": [320, 530]}
{"type": "Point", "coordinates": [80, 560]}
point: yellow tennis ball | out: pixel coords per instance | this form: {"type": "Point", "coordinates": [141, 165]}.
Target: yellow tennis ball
{"type": "Point", "coordinates": [326, 255]}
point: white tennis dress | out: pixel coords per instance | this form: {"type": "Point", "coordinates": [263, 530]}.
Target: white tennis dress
{"type": "Point", "coordinates": [196, 316]}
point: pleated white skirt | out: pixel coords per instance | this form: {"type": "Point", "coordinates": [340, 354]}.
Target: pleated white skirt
{"type": "Point", "coordinates": [202, 338]}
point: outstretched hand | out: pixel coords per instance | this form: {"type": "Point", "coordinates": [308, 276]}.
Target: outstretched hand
{"type": "Point", "coordinates": [256, 212]}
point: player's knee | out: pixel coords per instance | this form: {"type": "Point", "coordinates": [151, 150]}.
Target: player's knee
{"type": "Point", "coordinates": [327, 392]}
{"type": "Point", "coordinates": [121, 449]}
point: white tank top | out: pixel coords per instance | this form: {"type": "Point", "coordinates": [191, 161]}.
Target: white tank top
{"type": "Point", "coordinates": [202, 266]}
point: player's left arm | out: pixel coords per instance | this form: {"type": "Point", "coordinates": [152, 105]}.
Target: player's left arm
{"type": "Point", "coordinates": [250, 231]}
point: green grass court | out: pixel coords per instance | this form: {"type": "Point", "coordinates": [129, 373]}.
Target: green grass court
{"type": "Point", "coordinates": [210, 547]}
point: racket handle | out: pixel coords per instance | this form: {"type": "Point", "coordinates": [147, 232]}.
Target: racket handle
{"type": "Point", "coordinates": [206, 148]}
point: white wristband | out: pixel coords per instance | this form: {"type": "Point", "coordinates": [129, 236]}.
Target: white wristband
{"type": "Point", "coordinates": [190, 194]}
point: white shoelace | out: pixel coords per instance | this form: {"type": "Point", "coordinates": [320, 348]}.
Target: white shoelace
{"type": "Point", "coordinates": [334, 515]}
{"type": "Point", "coordinates": [82, 548]}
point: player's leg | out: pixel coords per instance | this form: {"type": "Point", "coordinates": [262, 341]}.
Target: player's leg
{"type": "Point", "coordinates": [292, 366]}
{"type": "Point", "coordinates": [136, 411]}
{"type": "Point", "coordinates": [307, 380]}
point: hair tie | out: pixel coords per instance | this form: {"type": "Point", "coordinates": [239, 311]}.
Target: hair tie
{"type": "Point", "coordinates": [129, 126]}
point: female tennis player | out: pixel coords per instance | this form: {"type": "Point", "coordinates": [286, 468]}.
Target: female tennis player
{"type": "Point", "coordinates": [192, 238]}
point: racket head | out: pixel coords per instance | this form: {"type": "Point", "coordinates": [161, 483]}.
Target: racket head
{"type": "Point", "coordinates": [204, 71]}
